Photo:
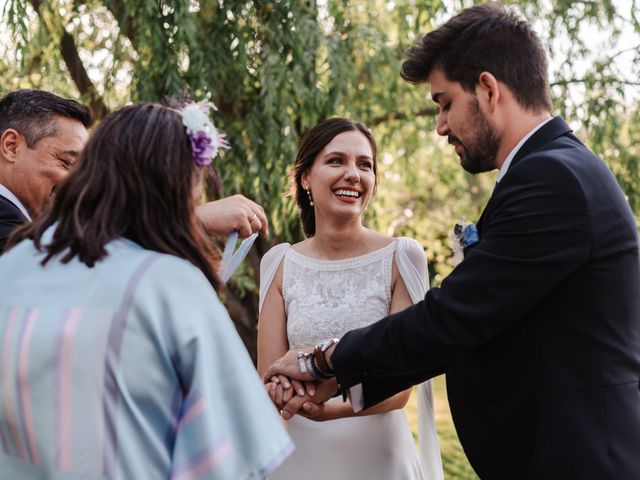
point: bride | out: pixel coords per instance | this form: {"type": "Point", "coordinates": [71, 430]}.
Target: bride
{"type": "Point", "coordinates": [343, 276]}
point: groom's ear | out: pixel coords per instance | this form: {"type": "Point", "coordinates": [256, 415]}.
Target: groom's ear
{"type": "Point", "coordinates": [488, 90]}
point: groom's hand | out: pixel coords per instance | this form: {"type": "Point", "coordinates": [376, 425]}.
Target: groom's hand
{"type": "Point", "coordinates": [289, 366]}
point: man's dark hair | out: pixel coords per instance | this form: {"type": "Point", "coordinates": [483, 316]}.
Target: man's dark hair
{"type": "Point", "coordinates": [311, 145]}
{"type": "Point", "coordinates": [134, 179]}
{"type": "Point", "coordinates": [483, 38]}
{"type": "Point", "coordinates": [33, 112]}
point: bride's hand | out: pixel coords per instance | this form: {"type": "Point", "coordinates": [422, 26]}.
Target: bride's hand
{"type": "Point", "coordinates": [281, 389]}
{"type": "Point", "coordinates": [276, 391]}
{"type": "Point", "coordinates": [324, 390]}
{"type": "Point", "coordinates": [289, 366]}
{"type": "Point", "coordinates": [289, 384]}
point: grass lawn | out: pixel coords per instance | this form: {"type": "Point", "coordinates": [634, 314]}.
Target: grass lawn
{"type": "Point", "coordinates": [454, 461]}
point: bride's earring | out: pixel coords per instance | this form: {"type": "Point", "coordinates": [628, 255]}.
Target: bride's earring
{"type": "Point", "coordinates": [309, 194]}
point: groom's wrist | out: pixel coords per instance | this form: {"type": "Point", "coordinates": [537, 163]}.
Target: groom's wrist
{"type": "Point", "coordinates": [321, 357]}
{"type": "Point", "coordinates": [328, 354]}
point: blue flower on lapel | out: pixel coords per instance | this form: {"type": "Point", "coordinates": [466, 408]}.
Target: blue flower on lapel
{"type": "Point", "coordinates": [469, 236]}
{"type": "Point", "coordinates": [464, 235]}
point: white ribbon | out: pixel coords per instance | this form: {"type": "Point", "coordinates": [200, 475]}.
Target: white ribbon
{"type": "Point", "coordinates": [230, 260]}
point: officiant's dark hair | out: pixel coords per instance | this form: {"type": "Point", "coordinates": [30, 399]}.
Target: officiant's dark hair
{"type": "Point", "coordinates": [489, 38]}
{"type": "Point", "coordinates": [135, 178]}
{"type": "Point", "coordinates": [311, 145]}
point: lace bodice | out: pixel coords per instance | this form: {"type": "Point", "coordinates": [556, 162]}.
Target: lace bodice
{"type": "Point", "coordinates": [327, 298]}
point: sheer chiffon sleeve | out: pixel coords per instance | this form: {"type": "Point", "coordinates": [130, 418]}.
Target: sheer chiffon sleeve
{"type": "Point", "coordinates": [412, 266]}
{"type": "Point", "coordinates": [268, 268]}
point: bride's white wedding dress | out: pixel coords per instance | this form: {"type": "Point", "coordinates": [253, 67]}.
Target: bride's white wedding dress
{"type": "Point", "coordinates": [325, 299]}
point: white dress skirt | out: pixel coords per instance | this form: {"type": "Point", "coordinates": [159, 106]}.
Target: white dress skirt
{"type": "Point", "coordinates": [325, 299]}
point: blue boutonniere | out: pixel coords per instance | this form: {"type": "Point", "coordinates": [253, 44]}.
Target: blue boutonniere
{"type": "Point", "coordinates": [464, 235]}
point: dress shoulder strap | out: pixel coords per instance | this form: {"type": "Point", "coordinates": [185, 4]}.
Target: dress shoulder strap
{"type": "Point", "coordinates": [412, 266]}
{"type": "Point", "coordinates": [268, 268]}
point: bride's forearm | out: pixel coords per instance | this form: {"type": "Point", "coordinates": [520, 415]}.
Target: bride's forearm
{"type": "Point", "coordinates": [336, 410]}
{"type": "Point", "coordinates": [397, 402]}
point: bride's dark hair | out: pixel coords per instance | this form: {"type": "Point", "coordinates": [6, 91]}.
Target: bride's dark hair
{"type": "Point", "coordinates": [311, 145]}
{"type": "Point", "coordinates": [134, 179]}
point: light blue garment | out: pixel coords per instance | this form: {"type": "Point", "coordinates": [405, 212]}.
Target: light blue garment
{"type": "Point", "coordinates": [129, 370]}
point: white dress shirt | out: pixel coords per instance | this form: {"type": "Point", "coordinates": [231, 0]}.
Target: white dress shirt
{"type": "Point", "coordinates": [507, 161]}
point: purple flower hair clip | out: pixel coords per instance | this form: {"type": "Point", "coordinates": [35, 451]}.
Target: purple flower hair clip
{"type": "Point", "coordinates": [205, 140]}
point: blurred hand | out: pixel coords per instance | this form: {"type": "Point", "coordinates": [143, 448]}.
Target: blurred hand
{"type": "Point", "coordinates": [237, 212]}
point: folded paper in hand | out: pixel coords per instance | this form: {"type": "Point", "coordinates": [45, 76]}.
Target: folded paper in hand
{"type": "Point", "coordinates": [230, 260]}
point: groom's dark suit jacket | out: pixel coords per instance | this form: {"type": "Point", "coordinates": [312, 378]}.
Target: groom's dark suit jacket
{"type": "Point", "coordinates": [10, 218]}
{"type": "Point", "coordinates": [537, 330]}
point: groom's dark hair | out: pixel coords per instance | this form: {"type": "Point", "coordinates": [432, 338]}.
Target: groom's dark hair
{"type": "Point", "coordinates": [489, 38]}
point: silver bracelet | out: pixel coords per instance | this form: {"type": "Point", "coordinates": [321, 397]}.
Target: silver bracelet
{"type": "Point", "coordinates": [302, 365]}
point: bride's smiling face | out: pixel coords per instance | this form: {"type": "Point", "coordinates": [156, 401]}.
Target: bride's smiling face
{"type": "Point", "coordinates": [342, 177]}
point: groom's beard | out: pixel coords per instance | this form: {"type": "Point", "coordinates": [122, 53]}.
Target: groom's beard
{"type": "Point", "coordinates": [481, 144]}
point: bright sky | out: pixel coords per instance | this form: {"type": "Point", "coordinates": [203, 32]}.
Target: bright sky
{"type": "Point", "coordinates": [598, 42]}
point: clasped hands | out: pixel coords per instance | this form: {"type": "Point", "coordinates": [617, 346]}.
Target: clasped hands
{"type": "Point", "coordinates": [294, 392]}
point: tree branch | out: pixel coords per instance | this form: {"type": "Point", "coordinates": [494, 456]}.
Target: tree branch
{"type": "Point", "coordinates": [244, 318]}
{"type": "Point", "coordinates": [571, 81]}
{"type": "Point", "coordinates": [69, 52]}
{"type": "Point", "coordinates": [119, 11]}
{"type": "Point", "coordinates": [396, 116]}
{"type": "Point", "coordinates": [80, 77]}
{"type": "Point", "coordinates": [624, 50]}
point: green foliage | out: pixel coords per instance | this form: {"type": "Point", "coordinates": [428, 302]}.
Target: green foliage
{"type": "Point", "coordinates": [275, 68]}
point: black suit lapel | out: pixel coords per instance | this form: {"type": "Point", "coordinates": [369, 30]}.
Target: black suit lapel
{"type": "Point", "coordinates": [551, 130]}
{"type": "Point", "coordinates": [10, 210]}
{"type": "Point", "coordinates": [10, 218]}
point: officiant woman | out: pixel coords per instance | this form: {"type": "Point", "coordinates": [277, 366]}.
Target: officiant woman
{"type": "Point", "coordinates": [118, 360]}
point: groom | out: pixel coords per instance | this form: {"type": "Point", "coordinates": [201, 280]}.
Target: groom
{"type": "Point", "coordinates": [538, 329]}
